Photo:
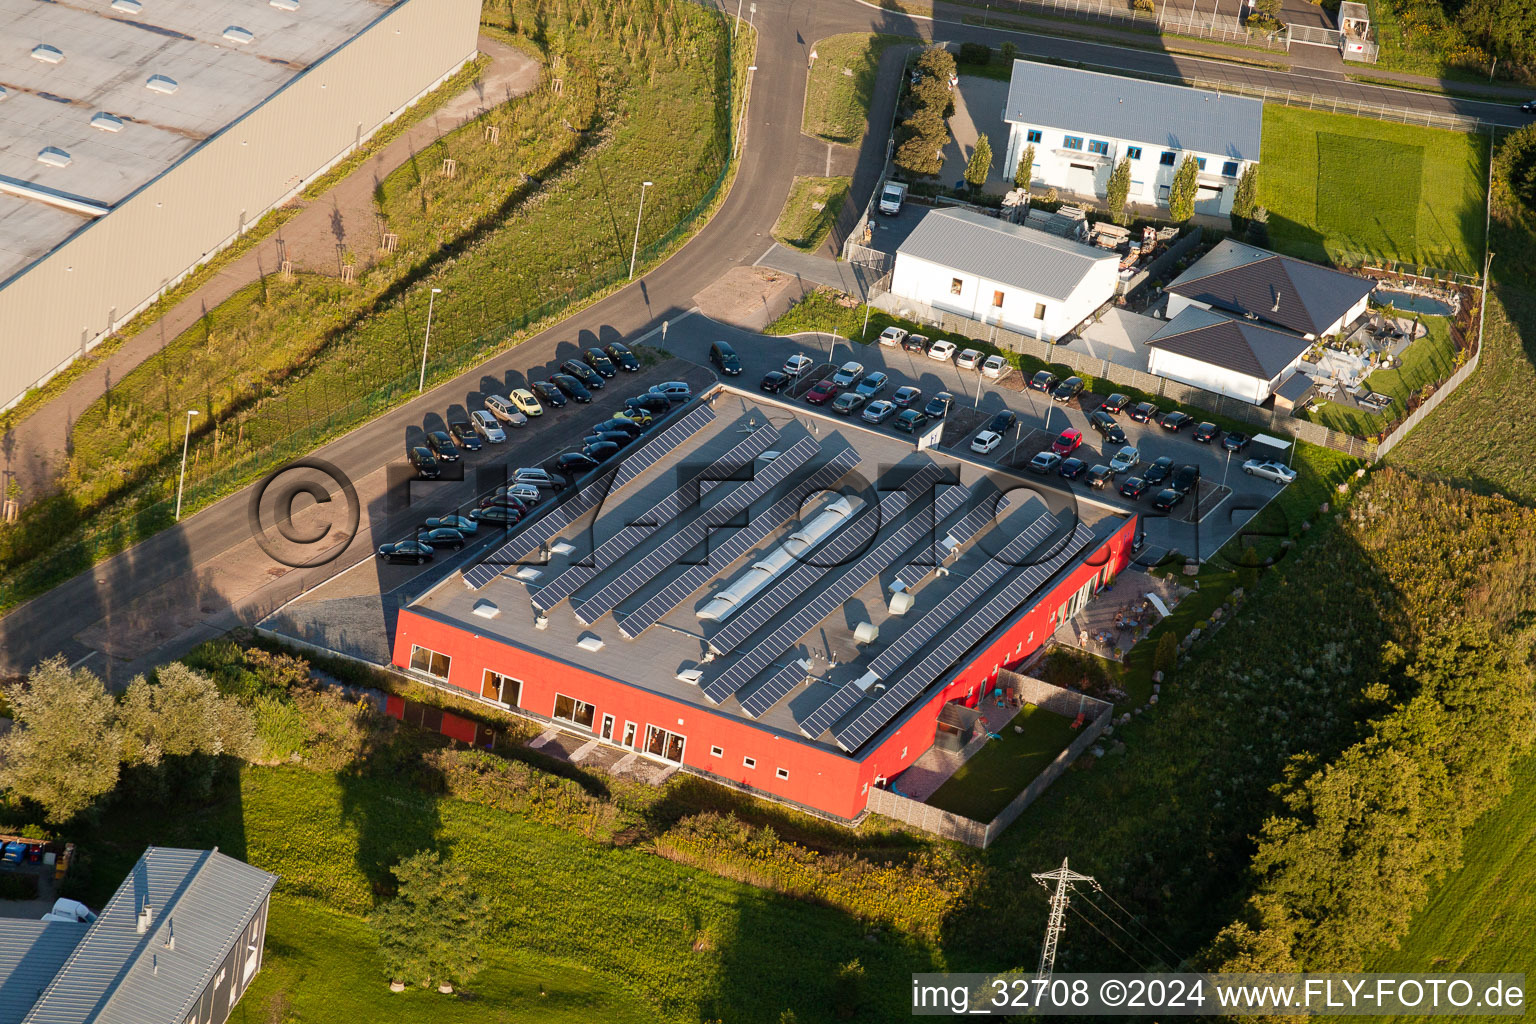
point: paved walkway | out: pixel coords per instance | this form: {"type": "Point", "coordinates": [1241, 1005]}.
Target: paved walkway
{"type": "Point", "coordinates": [36, 449]}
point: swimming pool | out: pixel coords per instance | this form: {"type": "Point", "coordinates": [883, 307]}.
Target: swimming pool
{"type": "Point", "coordinates": [1411, 302]}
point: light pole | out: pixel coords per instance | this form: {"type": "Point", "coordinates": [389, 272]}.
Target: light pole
{"type": "Point", "coordinates": [635, 249]}
{"type": "Point", "coordinates": [738, 20]}
{"type": "Point", "coordinates": [832, 350]}
{"type": "Point", "coordinates": [812, 66]}
{"type": "Point", "coordinates": [185, 438]}
{"type": "Point", "coordinates": [751, 13]}
{"type": "Point", "coordinates": [741, 119]}
{"type": "Point", "coordinates": [426, 340]}
{"type": "Point", "coordinates": [1225, 468]}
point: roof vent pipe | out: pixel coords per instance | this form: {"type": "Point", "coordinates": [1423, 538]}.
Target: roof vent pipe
{"type": "Point", "coordinates": [146, 917]}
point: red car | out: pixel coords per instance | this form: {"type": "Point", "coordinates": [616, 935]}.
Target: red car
{"type": "Point", "coordinates": [1067, 443]}
{"type": "Point", "coordinates": [823, 392]}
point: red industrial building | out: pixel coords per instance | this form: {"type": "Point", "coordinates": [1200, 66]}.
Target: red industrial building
{"type": "Point", "coordinates": [780, 601]}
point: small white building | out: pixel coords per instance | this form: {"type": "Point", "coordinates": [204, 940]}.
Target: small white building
{"type": "Point", "coordinates": [1015, 277]}
{"type": "Point", "coordinates": [1238, 358]}
{"type": "Point", "coordinates": [1251, 282]}
{"type": "Point", "coordinates": [1082, 123]}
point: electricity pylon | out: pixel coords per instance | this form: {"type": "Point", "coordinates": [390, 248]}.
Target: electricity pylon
{"type": "Point", "coordinates": [1056, 923]}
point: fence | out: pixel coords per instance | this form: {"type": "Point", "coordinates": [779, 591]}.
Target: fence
{"type": "Point", "coordinates": [1043, 695]}
{"type": "Point", "coordinates": [1158, 269]}
{"type": "Point", "coordinates": [1216, 27]}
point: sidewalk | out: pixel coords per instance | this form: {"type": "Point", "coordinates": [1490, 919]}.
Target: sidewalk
{"type": "Point", "coordinates": [37, 449]}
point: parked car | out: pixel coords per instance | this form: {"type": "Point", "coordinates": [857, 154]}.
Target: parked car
{"type": "Point", "coordinates": [873, 384]}
{"type": "Point", "coordinates": [906, 396]}
{"type": "Point", "coordinates": [1159, 471]}
{"type": "Point", "coordinates": [915, 343]}
{"type": "Point", "coordinates": [1068, 389]}
{"type": "Point", "coordinates": [1067, 441]}
{"type": "Point", "coordinates": [1044, 463]}
{"type": "Point", "coordinates": [621, 355]}
{"type": "Point", "coordinates": [505, 411]}
{"type": "Point", "coordinates": [892, 337]}
{"type": "Point", "coordinates": [442, 537]}
{"type": "Point", "coordinates": [573, 388]}
{"type": "Point", "coordinates": [601, 451]}
{"type": "Point", "coordinates": [942, 351]}
{"type": "Point", "coordinates": [1044, 381]}
{"type": "Point", "coordinates": [526, 402]}
{"type": "Point", "coordinates": [775, 381]}
{"type": "Point", "coordinates": [627, 427]}
{"type": "Point", "coordinates": [539, 477]}
{"type": "Point", "coordinates": [599, 361]}
{"type": "Point", "coordinates": [1235, 441]}
{"type": "Point", "coordinates": [1072, 468]}
{"type": "Point", "coordinates": [526, 493]}
{"type": "Point", "coordinates": [796, 365]}
{"type": "Point", "coordinates": [463, 434]}
{"type": "Point", "coordinates": [968, 359]}
{"type": "Point", "coordinates": [409, 551]}
{"type": "Point", "coordinates": [639, 417]}
{"type": "Point", "coordinates": [1185, 478]}
{"type": "Point", "coordinates": [1167, 499]}
{"type": "Point", "coordinates": [600, 436]}
{"type": "Point", "coordinates": [1134, 487]}
{"type": "Point", "coordinates": [994, 367]}
{"type": "Point", "coordinates": [463, 524]}
{"type": "Point", "coordinates": [572, 463]}
{"type": "Point", "coordinates": [910, 421]}
{"type": "Point", "coordinates": [674, 391]}
{"type": "Point", "coordinates": [1106, 425]}
{"type": "Point", "coordinates": [442, 446]}
{"type": "Point", "coordinates": [590, 378]}
{"type": "Point", "coordinates": [1125, 460]}
{"type": "Point", "coordinates": [878, 411]}
{"type": "Point", "coordinates": [550, 393]}
{"type": "Point", "coordinates": [1002, 422]}
{"type": "Point", "coordinates": [847, 374]}
{"type": "Point", "coordinates": [986, 442]}
{"type": "Point", "coordinates": [1528, 107]}
{"type": "Point", "coordinates": [500, 514]}
{"type": "Point", "coordinates": [487, 426]}
{"type": "Point", "coordinates": [1144, 412]}
{"type": "Point", "coordinates": [1206, 432]}
{"type": "Point", "coordinates": [822, 392]}
{"type": "Point", "coordinates": [425, 462]}
{"type": "Point", "coordinates": [504, 498]}
{"type": "Point", "coordinates": [725, 359]}
{"type": "Point", "coordinates": [1176, 421]}
{"type": "Point", "coordinates": [848, 403]}
{"type": "Point", "coordinates": [939, 405]}
{"type": "Point", "coordinates": [1269, 469]}
{"type": "Point", "coordinates": [1100, 476]}
{"type": "Point", "coordinates": [1115, 403]}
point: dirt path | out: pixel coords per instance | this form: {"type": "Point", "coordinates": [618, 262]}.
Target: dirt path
{"type": "Point", "coordinates": [36, 449]}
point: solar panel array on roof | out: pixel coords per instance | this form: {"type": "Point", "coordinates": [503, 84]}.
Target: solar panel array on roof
{"type": "Point", "coordinates": [863, 530]}
{"type": "Point", "coordinates": [828, 598]}
{"type": "Point", "coordinates": [830, 710]}
{"type": "Point", "coordinates": [634, 534]}
{"type": "Point", "coordinates": [693, 532]}
{"type": "Point", "coordinates": [977, 623]}
{"type": "Point", "coordinates": [775, 688]}
{"type": "Point", "coordinates": [974, 522]}
{"type": "Point", "coordinates": [538, 532]}
{"type": "Point", "coordinates": [664, 442]}
{"type": "Point", "coordinates": [736, 544]}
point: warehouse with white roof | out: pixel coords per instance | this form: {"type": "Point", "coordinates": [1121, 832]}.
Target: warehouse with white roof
{"type": "Point", "coordinates": [139, 137]}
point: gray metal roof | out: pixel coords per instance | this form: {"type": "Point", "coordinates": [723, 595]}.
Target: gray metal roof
{"type": "Point", "coordinates": [1155, 113]}
{"type": "Point", "coordinates": [31, 953]}
{"type": "Point", "coordinates": [1241, 346]}
{"type": "Point", "coordinates": [1292, 293]}
{"type": "Point", "coordinates": [118, 976]}
{"type": "Point", "coordinates": [996, 250]}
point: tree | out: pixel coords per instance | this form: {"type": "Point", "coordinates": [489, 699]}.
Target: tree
{"type": "Point", "coordinates": [1258, 228]}
{"type": "Point", "coordinates": [1008, 52]}
{"type": "Point", "coordinates": [65, 751]}
{"type": "Point", "coordinates": [928, 93]}
{"type": "Point", "coordinates": [1166, 653]}
{"type": "Point", "coordinates": [1246, 199]}
{"type": "Point", "coordinates": [980, 164]}
{"type": "Point", "coordinates": [431, 932]}
{"type": "Point", "coordinates": [1181, 195]}
{"type": "Point", "coordinates": [1515, 167]}
{"type": "Point", "coordinates": [1026, 169]}
{"type": "Point", "coordinates": [181, 715]}
{"type": "Point", "coordinates": [1119, 190]}
{"type": "Point", "coordinates": [926, 135]}
{"type": "Point", "coordinates": [848, 990]}
{"type": "Point", "coordinates": [938, 62]}
{"type": "Point", "coordinates": [1265, 16]}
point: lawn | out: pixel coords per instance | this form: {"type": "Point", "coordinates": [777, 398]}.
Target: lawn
{"type": "Point", "coordinates": [1342, 188]}
{"type": "Point", "coordinates": [321, 965]}
{"type": "Point", "coordinates": [810, 211]}
{"type": "Point", "coordinates": [986, 783]}
{"type": "Point", "coordinates": [842, 84]}
{"type": "Point", "coordinates": [1429, 360]}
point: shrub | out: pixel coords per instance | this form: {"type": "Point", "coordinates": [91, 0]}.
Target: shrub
{"type": "Point", "coordinates": [17, 887]}
{"type": "Point", "coordinates": [1023, 174]}
{"type": "Point", "coordinates": [431, 932]}
{"type": "Point", "coordinates": [975, 53]}
{"type": "Point", "coordinates": [1009, 52]}
{"type": "Point", "coordinates": [1167, 654]}
{"type": "Point", "coordinates": [1181, 194]}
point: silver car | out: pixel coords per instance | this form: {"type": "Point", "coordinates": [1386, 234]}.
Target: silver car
{"type": "Point", "coordinates": [1279, 472]}
{"type": "Point", "coordinates": [487, 426]}
{"type": "Point", "coordinates": [1126, 459]}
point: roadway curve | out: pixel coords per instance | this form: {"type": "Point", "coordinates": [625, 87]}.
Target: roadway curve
{"type": "Point", "coordinates": [181, 574]}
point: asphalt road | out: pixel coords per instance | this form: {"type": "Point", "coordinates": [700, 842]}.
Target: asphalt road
{"type": "Point", "coordinates": [205, 576]}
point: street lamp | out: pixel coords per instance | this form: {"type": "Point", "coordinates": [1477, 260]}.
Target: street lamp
{"type": "Point", "coordinates": [422, 383]}
{"type": "Point", "coordinates": [832, 349]}
{"type": "Point", "coordinates": [635, 249]}
{"type": "Point", "coordinates": [738, 20]}
{"type": "Point", "coordinates": [741, 119]}
{"type": "Point", "coordinates": [185, 438]}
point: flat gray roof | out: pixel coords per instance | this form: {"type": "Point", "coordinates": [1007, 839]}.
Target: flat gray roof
{"type": "Point", "coordinates": [679, 639]}
{"type": "Point", "coordinates": [1027, 258]}
{"type": "Point", "coordinates": [1171, 116]}
{"type": "Point", "coordinates": [108, 57]}
{"type": "Point", "coordinates": [31, 953]}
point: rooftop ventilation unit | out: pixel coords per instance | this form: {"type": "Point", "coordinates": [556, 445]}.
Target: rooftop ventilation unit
{"type": "Point", "coordinates": [900, 603]}
{"type": "Point", "coordinates": [561, 547]}
{"type": "Point", "coordinates": [690, 675]}
{"type": "Point", "coordinates": [236, 34]}
{"type": "Point", "coordinates": [53, 156]}
{"type": "Point", "coordinates": [485, 609]}
{"type": "Point", "coordinates": [107, 122]}
{"type": "Point", "coordinates": [285, 5]}
{"type": "Point", "coordinates": [161, 84]}
{"type": "Point", "coordinates": [865, 633]}
{"type": "Point", "coordinates": [47, 54]}
{"type": "Point", "coordinates": [528, 574]}
{"type": "Point", "coordinates": [127, 6]}
{"type": "Point", "coordinates": [590, 643]}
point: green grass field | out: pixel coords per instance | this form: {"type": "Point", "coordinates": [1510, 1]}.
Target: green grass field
{"type": "Point", "coordinates": [986, 783]}
{"type": "Point", "coordinates": [810, 211]}
{"type": "Point", "coordinates": [841, 85]}
{"type": "Point", "coordinates": [1340, 188]}
{"type": "Point", "coordinates": [323, 966]}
